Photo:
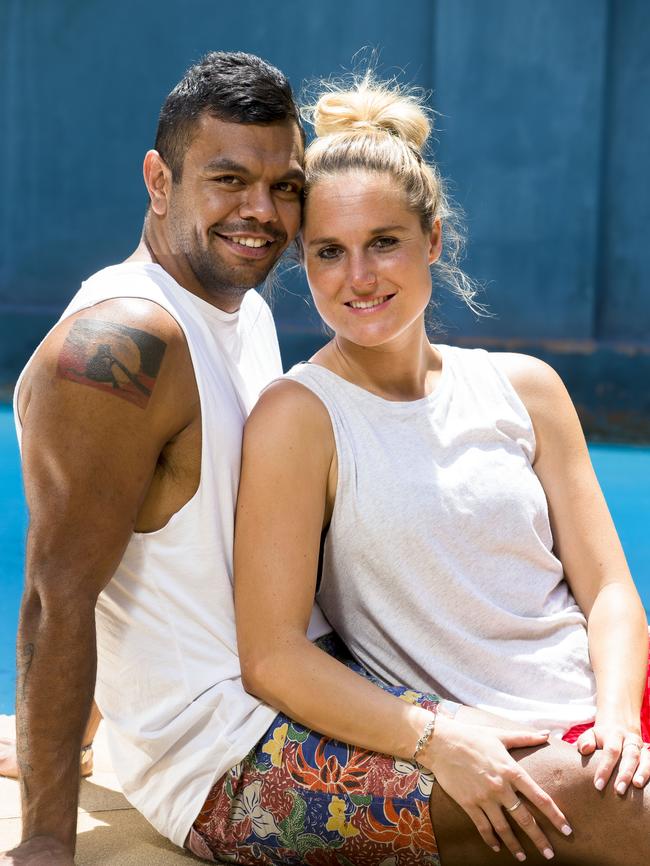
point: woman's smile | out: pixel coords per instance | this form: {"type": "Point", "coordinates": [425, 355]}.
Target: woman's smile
{"type": "Point", "coordinates": [367, 257]}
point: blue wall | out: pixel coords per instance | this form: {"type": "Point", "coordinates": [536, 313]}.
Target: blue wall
{"type": "Point", "coordinates": [544, 130]}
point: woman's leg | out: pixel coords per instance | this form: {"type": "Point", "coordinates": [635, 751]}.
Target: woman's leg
{"type": "Point", "coordinates": [608, 830]}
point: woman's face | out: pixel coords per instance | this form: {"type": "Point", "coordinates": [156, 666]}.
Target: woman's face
{"type": "Point", "coordinates": [367, 257]}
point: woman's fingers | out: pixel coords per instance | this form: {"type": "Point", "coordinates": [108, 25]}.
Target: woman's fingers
{"type": "Point", "coordinates": [642, 775]}
{"type": "Point", "coordinates": [586, 742]}
{"type": "Point", "coordinates": [483, 826]}
{"type": "Point", "coordinates": [522, 739]}
{"type": "Point", "coordinates": [531, 828]}
{"type": "Point", "coordinates": [630, 758]}
{"type": "Point", "coordinates": [541, 800]}
{"type": "Point", "coordinates": [8, 760]}
{"type": "Point", "coordinates": [496, 816]}
{"type": "Point", "coordinates": [611, 752]}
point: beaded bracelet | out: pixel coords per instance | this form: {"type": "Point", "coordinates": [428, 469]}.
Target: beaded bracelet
{"type": "Point", "coordinates": [427, 733]}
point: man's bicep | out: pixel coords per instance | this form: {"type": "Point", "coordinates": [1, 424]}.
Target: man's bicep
{"type": "Point", "coordinates": [88, 459]}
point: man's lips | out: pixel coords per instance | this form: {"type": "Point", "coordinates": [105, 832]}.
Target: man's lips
{"type": "Point", "coordinates": [249, 246]}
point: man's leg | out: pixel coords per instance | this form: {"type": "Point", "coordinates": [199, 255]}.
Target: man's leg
{"type": "Point", "coordinates": [608, 830]}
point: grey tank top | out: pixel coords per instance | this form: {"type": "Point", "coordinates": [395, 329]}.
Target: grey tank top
{"type": "Point", "coordinates": [438, 565]}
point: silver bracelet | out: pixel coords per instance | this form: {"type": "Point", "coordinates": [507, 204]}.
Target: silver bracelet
{"type": "Point", "coordinates": [427, 733]}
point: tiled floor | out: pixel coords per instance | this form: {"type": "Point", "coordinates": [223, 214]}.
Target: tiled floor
{"type": "Point", "coordinates": [111, 832]}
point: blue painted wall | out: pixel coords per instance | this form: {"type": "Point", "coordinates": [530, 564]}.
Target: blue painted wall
{"type": "Point", "coordinates": [544, 131]}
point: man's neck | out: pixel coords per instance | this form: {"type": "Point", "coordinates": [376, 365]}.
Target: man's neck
{"type": "Point", "coordinates": [147, 251]}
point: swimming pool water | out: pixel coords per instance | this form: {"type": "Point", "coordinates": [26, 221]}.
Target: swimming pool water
{"type": "Point", "coordinates": [624, 474]}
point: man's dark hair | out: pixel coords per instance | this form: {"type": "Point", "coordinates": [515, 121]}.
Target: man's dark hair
{"type": "Point", "coordinates": [231, 86]}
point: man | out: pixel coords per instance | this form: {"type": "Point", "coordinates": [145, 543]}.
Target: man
{"type": "Point", "coordinates": [131, 413]}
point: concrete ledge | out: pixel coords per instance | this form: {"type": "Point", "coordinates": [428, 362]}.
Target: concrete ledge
{"type": "Point", "coordinates": [111, 832]}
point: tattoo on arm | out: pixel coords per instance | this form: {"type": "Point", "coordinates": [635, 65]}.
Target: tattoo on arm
{"type": "Point", "coordinates": [113, 358]}
{"type": "Point", "coordinates": [25, 658]}
{"type": "Point", "coordinates": [25, 662]}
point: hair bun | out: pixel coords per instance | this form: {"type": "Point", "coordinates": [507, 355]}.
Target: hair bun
{"type": "Point", "coordinates": [372, 107]}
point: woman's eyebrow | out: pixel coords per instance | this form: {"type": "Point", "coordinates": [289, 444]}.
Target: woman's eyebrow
{"type": "Point", "coordinates": [381, 230]}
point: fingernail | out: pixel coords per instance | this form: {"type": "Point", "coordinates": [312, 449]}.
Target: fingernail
{"type": "Point", "coordinates": [600, 784]}
{"type": "Point", "coordinates": [638, 780]}
{"type": "Point", "coordinates": [621, 787]}
{"type": "Point", "coordinates": [496, 849]}
{"type": "Point", "coordinates": [566, 830]}
{"type": "Point", "coordinates": [520, 856]}
{"type": "Point", "coordinates": [548, 853]}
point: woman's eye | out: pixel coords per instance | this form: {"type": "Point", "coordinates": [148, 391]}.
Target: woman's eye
{"type": "Point", "coordinates": [384, 243]}
{"type": "Point", "coordinates": [329, 253]}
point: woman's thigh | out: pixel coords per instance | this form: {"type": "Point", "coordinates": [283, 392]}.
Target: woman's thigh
{"type": "Point", "coordinates": [608, 830]}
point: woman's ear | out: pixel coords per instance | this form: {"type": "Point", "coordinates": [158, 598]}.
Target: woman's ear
{"type": "Point", "coordinates": [435, 241]}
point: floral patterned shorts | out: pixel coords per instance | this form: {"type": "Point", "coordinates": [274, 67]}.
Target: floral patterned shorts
{"type": "Point", "coordinates": [299, 797]}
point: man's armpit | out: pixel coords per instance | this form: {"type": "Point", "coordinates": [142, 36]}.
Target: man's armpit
{"type": "Point", "coordinates": [111, 357]}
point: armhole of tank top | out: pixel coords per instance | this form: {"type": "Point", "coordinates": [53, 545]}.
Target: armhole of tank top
{"type": "Point", "coordinates": [314, 388]}
{"type": "Point", "coordinates": [514, 400]}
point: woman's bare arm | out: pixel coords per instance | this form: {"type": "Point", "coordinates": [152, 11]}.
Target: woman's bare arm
{"type": "Point", "coordinates": [586, 542]}
{"type": "Point", "coordinates": [286, 470]}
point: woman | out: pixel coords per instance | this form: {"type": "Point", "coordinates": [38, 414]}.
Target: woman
{"type": "Point", "coordinates": [466, 547]}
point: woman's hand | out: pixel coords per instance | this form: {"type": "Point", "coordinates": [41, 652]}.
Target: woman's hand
{"type": "Point", "coordinates": [8, 761]}
{"type": "Point", "coordinates": [473, 766]}
{"type": "Point", "coordinates": [620, 744]}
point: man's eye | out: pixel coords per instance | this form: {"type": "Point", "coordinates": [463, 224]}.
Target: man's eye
{"type": "Point", "coordinates": [288, 186]}
{"type": "Point", "coordinates": [329, 253]}
{"type": "Point", "coordinates": [228, 180]}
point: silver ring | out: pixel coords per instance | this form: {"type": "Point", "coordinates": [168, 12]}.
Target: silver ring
{"type": "Point", "coordinates": [635, 743]}
{"type": "Point", "coordinates": [512, 808]}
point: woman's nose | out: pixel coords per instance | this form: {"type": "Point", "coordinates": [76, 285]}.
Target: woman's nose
{"type": "Point", "coordinates": [362, 276]}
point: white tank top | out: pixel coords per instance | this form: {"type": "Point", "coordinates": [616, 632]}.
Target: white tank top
{"type": "Point", "coordinates": [438, 567]}
{"type": "Point", "coordinates": [168, 678]}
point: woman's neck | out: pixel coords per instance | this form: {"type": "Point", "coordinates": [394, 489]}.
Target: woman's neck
{"type": "Point", "coordinates": [405, 371]}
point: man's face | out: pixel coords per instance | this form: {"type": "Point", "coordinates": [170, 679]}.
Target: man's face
{"type": "Point", "coordinates": [236, 207]}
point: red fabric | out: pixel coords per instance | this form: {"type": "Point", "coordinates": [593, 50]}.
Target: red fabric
{"type": "Point", "coordinates": [573, 733]}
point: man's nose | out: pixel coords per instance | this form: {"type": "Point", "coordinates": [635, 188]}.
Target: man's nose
{"type": "Point", "coordinates": [258, 204]}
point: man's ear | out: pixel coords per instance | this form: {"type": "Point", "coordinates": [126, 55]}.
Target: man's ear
{"type": "Point", "coordinates": [158, 180]}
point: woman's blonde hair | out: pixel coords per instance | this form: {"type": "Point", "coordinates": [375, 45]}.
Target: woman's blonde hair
{"type": "Point", "coordinates": [383, 127]}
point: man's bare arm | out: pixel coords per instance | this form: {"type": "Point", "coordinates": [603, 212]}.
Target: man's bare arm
{"type": "Point", "coordinates": [91, 442]}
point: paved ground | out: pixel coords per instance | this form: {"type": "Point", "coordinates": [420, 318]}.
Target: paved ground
{"type": "Point", "coordinates": [111, 832]}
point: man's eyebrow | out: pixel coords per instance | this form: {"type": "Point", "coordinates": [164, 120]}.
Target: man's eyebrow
{"type": "Point", "coordinates": [294, 174]}
{"type": "Point", "coordinates": [223, 163]}
{"type": "Point", "coordinates": [380, 230]}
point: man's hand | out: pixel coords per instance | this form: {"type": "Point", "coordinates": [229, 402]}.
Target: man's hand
{"type": "Point", "coordinates": [39, 851]}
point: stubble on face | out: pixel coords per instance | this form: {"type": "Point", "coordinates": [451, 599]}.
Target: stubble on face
{"type": "Point", "coordinates": [257, 159]}
{"type": "Point", "coordinates": [218, 279]}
